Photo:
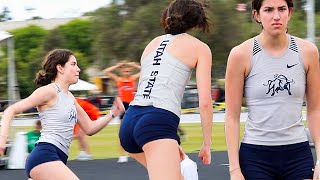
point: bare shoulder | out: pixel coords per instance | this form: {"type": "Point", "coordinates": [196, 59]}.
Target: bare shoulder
{"type": "Point", "coordinates": [42, 96]}
{"type": "Point", "coordinates": [309, 52]}
{"type": "Point", "coordinates": [242, 51]}
{"type": "Point", "coordinates": [48, 90]}
{"type": "Point", "coordinates": [307, 47]}
{"type": "Point", "coordinates": [197, 43]}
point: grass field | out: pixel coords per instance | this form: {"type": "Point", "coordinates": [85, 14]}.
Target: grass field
{"type": "Point", "coordinates": [105, 143]}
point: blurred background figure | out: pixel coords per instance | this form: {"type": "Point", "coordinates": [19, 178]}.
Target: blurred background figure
{"type": "Point", "coordinates": [126, 84]}
{"type": "Point", "coordinates": [94, 113]}
{"type": "Point", "coordinates": [33, 136]}
{"type": "Point", "coordinates": [182, 133]}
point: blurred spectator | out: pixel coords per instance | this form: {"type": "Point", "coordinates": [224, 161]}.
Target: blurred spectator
{"type": "Point", "coordinates": [94, 113]}
{"type": "Point", "coordinates": [218, 94]}
{"type": "Point", "coordinates": [182, 133]}
{"type": "Point", "coordinates": [126, 85]}
{"type": "Point", "coordinates": [33, 136]}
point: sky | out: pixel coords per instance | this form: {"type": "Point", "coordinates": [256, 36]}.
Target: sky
{"type": "Point", "coordinates": [50, 8]}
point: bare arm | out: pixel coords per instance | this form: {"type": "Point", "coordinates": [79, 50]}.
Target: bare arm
{"type": "Point", "coordinates": [40, 97]}
{"type": "Point", "coordinates": [234, 84]}
{"type": "Point", "coordinates": [311, 59]}
{"type": "Point", "coordinates": [203, 76]}
{"type": "Point", "coordinates": [92, 127]}
{"type": "Point", "coordinates": [138, 67]}
{"type": "Point", "coordinates": [108, 71]}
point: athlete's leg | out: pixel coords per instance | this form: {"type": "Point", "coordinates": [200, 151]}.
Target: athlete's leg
{"type": "Point", "coordinates": [83, 141]}
{"type": "Point", "coordinates": [123, 156]}
{"type": "Point", "coordinates": [140, 157]}
{"type": "Point", "coordinates": [163, 159]}
{"type": "Point", "coordinates": [52, 171]}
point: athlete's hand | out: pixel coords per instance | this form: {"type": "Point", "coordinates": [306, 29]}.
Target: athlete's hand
{"type": "Point", "coordinates": [181, 153]}
{"type": "Point", "coordinates": [117, 107]}
{"type": "Point", "coordinates": [205, 154]}
{"type": "Point", "coordinates": [120, 64]}
{"type": "Point", "coordinates": [236, 174]}
{"type": "Point", "coordinates": [3, 141]}
{"type": "Point", "coordinates": [316, 173]}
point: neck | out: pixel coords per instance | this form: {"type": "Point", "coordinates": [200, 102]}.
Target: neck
{"type": "Point", "coordinates": [274, 42]}
{"type": "Point", "coordinates": [62, 85]}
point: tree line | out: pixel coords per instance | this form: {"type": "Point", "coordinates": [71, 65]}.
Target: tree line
{"type": "Point", "coordinates": [122, 30]}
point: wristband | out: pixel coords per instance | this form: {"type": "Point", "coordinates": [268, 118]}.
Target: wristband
{"type": "Point", "coordinates": [111, 113]}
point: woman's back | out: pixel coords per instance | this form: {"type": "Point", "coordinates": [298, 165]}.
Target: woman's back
{"type": "Point", "coordinates": [163, 75]}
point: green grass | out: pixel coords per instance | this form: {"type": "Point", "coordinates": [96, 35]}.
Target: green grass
{"type": "Point", "coordinates": [105, 144]}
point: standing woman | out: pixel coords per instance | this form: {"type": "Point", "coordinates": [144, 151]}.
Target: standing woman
{"type": "Point", "coordinates": [149, 128]}
{"type": "Point", "coordinates": [275, 71]}
{"type": "Point", "coordinates": [58, 111]}
{"type": "Point", "coordinates": [126, 85]}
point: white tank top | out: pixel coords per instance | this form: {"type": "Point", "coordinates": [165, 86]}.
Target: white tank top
{"type": "Point", "coordinates": [162, 80]}
{"type": "Point", "coordinates": [275, 91]}
{"type": "Point", "coordinates": [58, 122]}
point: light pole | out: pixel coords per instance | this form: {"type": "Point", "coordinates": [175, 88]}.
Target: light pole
{"type": "Point", "coordinates": [13, 91]}
{"type": "Point", "coordinates": [310, 9]}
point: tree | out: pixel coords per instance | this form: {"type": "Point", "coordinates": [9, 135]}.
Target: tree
{"type": "Point", "coordinates": [77, 35]}
{"type": "Point", "coordinates": [5, 14]}
{"type": "Point", "coordinates": [54, 39]}
{"type": "Point", "coordinates": [107, 34]}
{"type": "Point", "coordinates": [28, 54]}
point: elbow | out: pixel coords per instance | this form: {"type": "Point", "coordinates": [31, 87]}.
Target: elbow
{"type": "Point", "coordinates": [90, 134]}
{"type": "Point", "coordinates": [88, 131]}
{"type": "Point", "coordinates": [10, 111]}
{"type": "Point", "coordinates": [205, 106]}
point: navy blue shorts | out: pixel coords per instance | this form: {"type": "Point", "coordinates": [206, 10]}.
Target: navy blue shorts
{"type": "Point", "coordinates": [143, 124]}
{"type": "Point", "coordinates": [42, 153]}
{"type": "Point", "coordinates": [285, 162]}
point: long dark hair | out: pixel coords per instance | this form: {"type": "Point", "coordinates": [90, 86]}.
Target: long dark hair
{"type": "Point", "coordinates": [183, 15]}
{"type": "Point", "coordinates": [49, 70]}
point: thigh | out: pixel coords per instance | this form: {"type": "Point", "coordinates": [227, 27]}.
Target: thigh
{"type": "Point", "coordinates": [43, 153]}
{"type": "Point", "coordinates": [155, 125]}
{"type": "Point", "coordinates": [126, 137]}
{"type": "Point", "coordinates": [299, 162]}
{"type": "Point", "coordinates": [163, 159]}
{"type": "Point", "coordinates": [140, 157]}
{"type": "Point", "coordinates": [52, 171]}
{"type": "Point", "coordinates": [257, 163]}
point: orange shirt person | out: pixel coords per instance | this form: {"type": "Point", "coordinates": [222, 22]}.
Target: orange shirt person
{"type": "Point", "coordinates": [126, 89]}
{"type": "Point", "coordinates": [126, 86]}
{"type": "Point", "coordinates": [93, 113]}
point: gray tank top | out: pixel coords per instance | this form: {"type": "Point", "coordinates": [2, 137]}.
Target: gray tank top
{"type": "Point", "coordinates": [275, 91]}
{"type": "Point", "coordinates": [58, 122]}
{"type": "Point", "coordinates": [162, 80]}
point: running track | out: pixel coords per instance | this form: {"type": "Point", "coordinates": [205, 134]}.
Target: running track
{"type": "Point", "coordinates": [109, 169]}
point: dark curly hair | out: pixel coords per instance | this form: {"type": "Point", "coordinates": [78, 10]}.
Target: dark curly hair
{"type": "Point", "coordinates": [49, 70]}
{"type": "Point", "coordinates": [183, 15]}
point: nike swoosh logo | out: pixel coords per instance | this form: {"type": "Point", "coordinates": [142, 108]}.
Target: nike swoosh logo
{"type": "Point", "coordinates": [288, 66]}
